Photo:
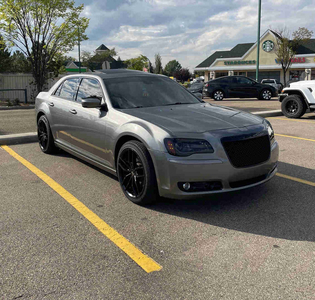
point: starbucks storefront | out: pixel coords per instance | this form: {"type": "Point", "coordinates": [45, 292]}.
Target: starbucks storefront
{"type": "Point", "coordinates": [241, 60]}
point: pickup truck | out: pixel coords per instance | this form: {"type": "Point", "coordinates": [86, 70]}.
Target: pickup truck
{"type": "Point", "coordinates": [298, 98]}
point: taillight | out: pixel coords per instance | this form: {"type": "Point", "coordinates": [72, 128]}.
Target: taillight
{"type": "Point", "coordinates": [206, 85]}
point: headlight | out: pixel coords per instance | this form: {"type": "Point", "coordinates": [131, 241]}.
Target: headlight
{"type": "Point", "coordinates": [271, 133]}
{"type": "Point", "coordinates": [186, 147]}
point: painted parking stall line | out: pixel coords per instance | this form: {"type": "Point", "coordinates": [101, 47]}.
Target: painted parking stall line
{"type": "Point", "coordinates": [294, 137]}
{"type": "Point", "coordinates": [293, 120]}
{"type": "Point", "coordinates": [144, 261]}
{"type": "Point", "coordinates": [296, 179]}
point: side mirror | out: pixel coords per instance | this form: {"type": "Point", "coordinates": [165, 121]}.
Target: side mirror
{"type": "Point", "coordinates": [91, 102]}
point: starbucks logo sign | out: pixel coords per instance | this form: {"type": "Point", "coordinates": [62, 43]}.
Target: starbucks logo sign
{"type": "Point", "coordinates": [268, 46]}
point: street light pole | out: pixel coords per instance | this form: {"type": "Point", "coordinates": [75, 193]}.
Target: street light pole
{"type": "Point", "coordinates": [258, 39]}
{"type": "Point", "coordinates": [79, 49]}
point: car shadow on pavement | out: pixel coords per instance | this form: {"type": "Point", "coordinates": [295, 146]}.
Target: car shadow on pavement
{"type": "Point", "coordinates": [281, 208]}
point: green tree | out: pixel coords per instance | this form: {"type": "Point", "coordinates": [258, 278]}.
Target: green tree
{"type": "Point", "coordinates": [20, 64]}
{"type": "Point", "coordinates": [90, 60]}
{"type": "Point", "coordinates": [58, 64]}
{"type": "Point", "coordinates": [5, 57]}
{"type": "Point", "coordinates": [172, 67]}
{"type": "Point", "coordinates": [41, 29]}
{"type": "Point", "coordinates": [287, 45]}
{"type": "Point", "coordinates": [182, 75]}
{"type": "Point", "coordinates": [158, 64]}
{"type": "Point", "coordinates": [137, 63]}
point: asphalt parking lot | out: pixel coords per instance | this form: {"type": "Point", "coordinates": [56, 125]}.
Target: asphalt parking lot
{"type": "Point", "coordinates": [254, 244]}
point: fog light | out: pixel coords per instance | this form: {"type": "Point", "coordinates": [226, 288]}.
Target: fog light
{"type": "Point", "coordinates": [186, 186]}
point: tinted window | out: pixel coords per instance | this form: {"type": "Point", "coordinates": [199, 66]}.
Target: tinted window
{"type": "Point", "coordinates": [268, 81]}
{"type": "Point", "coordinates": [146, 91]}
{"type": "Point", "coordinates": [244, 80]}
{"type": "Point", "coordinates": [89, 88]}
{"type": "Point", "coordinates": [224, 80]}
{"type": "Point", "coordinates": [69, 89]}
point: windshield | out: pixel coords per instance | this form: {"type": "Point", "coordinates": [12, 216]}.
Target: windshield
{"type": "Point", "coordinates": [146, 91]}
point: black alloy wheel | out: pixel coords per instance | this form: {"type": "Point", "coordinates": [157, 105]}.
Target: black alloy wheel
{"type": "Point", "coordinates": [136, 173]}
{"type": "Point", "coordinates": [293, 107]}
{"type": "Point", "coordinates": [45, 138]}
{"type": "Point", "coordinates": [218, 95]}
{"type": "Point", "coordinates": [265, 94]}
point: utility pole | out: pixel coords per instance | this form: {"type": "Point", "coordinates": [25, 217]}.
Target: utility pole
{"type": "Point", "coordinates": [79, 49]}
{"type": "Point", "coordinates": [258, 39]}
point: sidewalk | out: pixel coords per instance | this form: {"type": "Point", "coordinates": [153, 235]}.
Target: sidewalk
{"type": "Point", "coordinates": [19, 126]}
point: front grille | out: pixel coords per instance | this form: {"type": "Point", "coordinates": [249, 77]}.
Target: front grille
{"type": "Point", "coordinates": [249, 152]}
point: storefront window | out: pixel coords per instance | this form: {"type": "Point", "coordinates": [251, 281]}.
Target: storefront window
{"type": "Point", "coordinates": [297, 75]}
{"type": "Point", "coordinates": [221, 74]}
{"type": "Point", "coordinates": [313, 75]}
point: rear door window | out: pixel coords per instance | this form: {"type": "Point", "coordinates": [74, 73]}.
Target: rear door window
{"type": "Point", "coordinates": [89, 88]}
{"type": "Point", "coordinates": [244, 80]}
{"type": "Point", "coordinates": [69, 89]}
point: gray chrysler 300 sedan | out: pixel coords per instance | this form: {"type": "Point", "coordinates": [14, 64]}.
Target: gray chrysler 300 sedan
{"type": "Point", "coordinates": [154, 135]}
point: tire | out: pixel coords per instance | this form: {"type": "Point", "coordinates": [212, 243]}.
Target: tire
{"type": "Point", "coordinates": [265, 94]}
{"type": "Point", "coordinates": [136, 173]}
{"type": "Point", "coordinates": [293, 106]}
{"type": "Point", "coordinates": [218, 95]}
{"type": "Point", "coordinates": [45, 137]}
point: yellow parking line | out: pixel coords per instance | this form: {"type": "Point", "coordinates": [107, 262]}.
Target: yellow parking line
{"type": "Point", "coordinates": [296, 179]}
{"type": "Point", "coordinates": [294, 137]}
{"type": "Point", "coordinates": [294, 120]}
{"type": "Point", "coordinates": [145, 262]}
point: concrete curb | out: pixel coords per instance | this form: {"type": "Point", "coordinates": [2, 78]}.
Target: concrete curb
{"type": "Point", "coordinates": [267, 114]}
{"type": "Point", "coordinates": [20, 138]}
{"type": "Point", "coordinates": [16, 107]}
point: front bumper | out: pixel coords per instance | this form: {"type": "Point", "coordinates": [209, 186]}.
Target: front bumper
{"type": "Point", "coordinates": [282, 96]}
{"type": "Point", "coordinates": [171, 170]}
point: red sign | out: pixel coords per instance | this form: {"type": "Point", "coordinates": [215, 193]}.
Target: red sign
{"type": "Point", "coordinates": [298, 60]}
{"type": "Point", "coordinates": [294, 60]}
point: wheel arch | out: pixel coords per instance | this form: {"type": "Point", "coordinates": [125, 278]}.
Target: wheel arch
{"type": "Point", "coordinates": [298, 93]}
{"type": "Point", "coordinates": [121, 141]}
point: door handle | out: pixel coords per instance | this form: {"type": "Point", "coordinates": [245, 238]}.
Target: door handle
{"type": "Point", "coordinates": [73, 111]}
{"type": "Point", "coordinates": [51, 104]}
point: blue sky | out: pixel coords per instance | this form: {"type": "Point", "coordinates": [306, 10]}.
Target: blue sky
{"type": "Point", "coordinates": [186, 30]}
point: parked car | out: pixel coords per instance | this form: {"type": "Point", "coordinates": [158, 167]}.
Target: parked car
{"type": "Point", "coordinates": [154, 135]}
{"type": "Point", "coordinates": [237, 87]}
{"type": "Point", "coordinates": [196, 88]}
{"type": "Point", "coordinates": [298, 98]}
{"type": "Point", "coordinates": [275, 83]}
{"type": "Point", "coordinates": [198, 79]}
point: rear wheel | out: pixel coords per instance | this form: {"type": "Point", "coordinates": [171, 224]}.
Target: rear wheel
{"type": "Point", "coordinates": [136, 173]}
{"type": "Point", "coordinates": [45, 137]}
{"type": "Point", "coordinates": [293, 106]}
{"type": "Point", "coordinates": [218, 95]}
{"type": "Point", "coordinates": [265, 94]}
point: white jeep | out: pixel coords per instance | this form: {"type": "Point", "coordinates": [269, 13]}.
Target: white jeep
{"type": "Point", "coordinates": [298, 98]}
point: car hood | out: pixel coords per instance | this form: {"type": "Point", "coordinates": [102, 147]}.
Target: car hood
{"type": "Point", "coordinates": [194, 117]}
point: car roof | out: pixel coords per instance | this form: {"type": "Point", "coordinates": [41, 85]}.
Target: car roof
{"type": "Point", "coordinates": [117, 73]}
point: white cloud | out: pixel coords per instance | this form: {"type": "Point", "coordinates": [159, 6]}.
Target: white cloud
{"type": "Point", "coordinates": [187, 30]}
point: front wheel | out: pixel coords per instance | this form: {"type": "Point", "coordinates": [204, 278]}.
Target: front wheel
{"type": "Point", "coordinates": [265, 95]}
{"type": "Point", "coordinates": [218, 95]}
{"type": "Point", "coordinates": [293, 106]}
{"type": "Point", "coordinates": [136, 173]}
